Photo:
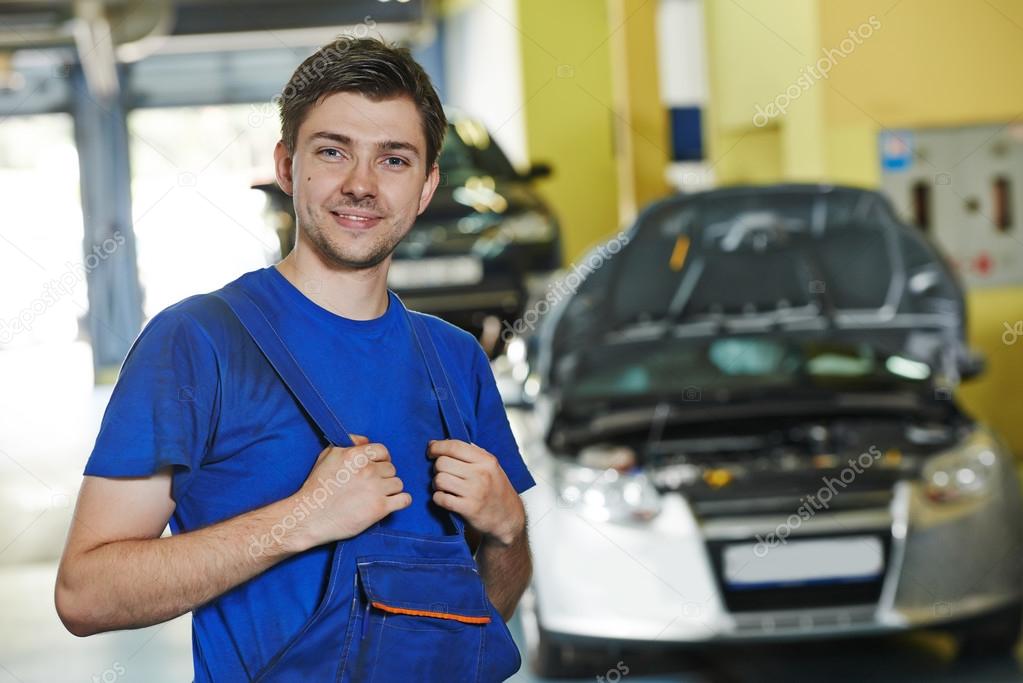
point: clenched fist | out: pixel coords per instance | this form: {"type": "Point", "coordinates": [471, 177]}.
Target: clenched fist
{"type": "Point", "coordinates": [470, 481]}
{"type": "Point", "coordinates": [348, 490]}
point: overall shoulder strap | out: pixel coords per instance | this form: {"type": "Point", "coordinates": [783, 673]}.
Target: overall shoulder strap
{"type": "Point", "coordinates": [441, 390]}
{"type": "Point", "coordinates": [269, 341]}
{"type": "Point", "coordinates": [280, 357]}
{"type": "Point", "coordinates": [438, 378]}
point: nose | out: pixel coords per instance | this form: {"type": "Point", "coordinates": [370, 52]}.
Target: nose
{"type": "Point", "coordinates": [360, 182]}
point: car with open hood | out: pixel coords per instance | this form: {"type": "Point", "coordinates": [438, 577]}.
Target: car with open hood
{"type": "Point", "coordinates": [744, 427]}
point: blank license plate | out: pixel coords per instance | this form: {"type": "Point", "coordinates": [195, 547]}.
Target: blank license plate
{"type": "Point", "coordinates": [434, 272]}
{"type": "Point", "coordinates": [832, 560]}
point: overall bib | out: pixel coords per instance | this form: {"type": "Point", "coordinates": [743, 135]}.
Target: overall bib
{"type": "Point", "coordinates": [397, 606]}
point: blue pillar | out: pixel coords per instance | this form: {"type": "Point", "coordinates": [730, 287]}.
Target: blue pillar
{"type": "Point", "coordinates": [111, 270]}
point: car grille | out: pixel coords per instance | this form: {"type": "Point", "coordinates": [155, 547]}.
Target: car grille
{"type": "Point", "coordinates": [803, 621]}
{"type": "Point", "coordinates": [784, 504]}
{"type": "Point", "coordinates": [783, 493]}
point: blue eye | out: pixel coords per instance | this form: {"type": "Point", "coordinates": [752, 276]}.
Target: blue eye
{"type": "Point", "coordinates": [401, 162]}
{"type": "Point", "coordinates": [330, 153]}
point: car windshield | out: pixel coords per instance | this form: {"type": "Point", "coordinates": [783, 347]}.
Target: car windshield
{"type": "Point", "coordinates": [752, 260]}
{"type": "Point", "coordinates": [759, 254]}
{"type": "Point", "coordinates": [470, 151]}
{"type": "Point", "coordinates": [718, 368]}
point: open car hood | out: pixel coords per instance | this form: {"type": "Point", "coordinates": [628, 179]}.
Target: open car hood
{"type": "Point", "coordinates": [789, 258]}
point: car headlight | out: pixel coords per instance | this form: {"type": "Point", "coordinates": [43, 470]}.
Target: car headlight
{"type": "Point", "coordinates": [526, 227]}
{"type": "Point", "coordinates": [967, 473]}
{"type": "Point", "coordinates": [606, 486]}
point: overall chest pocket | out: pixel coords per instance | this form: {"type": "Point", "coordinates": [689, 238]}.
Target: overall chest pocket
{"type": "Point", "coordinates": [417, 619]}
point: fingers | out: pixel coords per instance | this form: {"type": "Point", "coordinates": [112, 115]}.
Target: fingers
{"type": "Point", "coordinates": [449, 501]}
{"type": "Point", "coordinates": [398, 501]}
{"type": "Point", "coordinates": [449, 483]}
{"type": "Point", "coordinates": [376, 452]}
{"type": "Point", "coordinates": [392, 485]}
{"type": "Point", "coordinates": [459, 450]}
{"type": "Point", "coordinates": [359, 440]}
{"type": "Point", "coordinates": [385, 469]}
{"type": "Point", "coordinates": [458, 468]}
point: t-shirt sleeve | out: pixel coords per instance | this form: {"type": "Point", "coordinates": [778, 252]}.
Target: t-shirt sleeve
{"type": "Point", "coordinates": [493, 433]}
{"type": "Point", "coordinates": [163, 407]}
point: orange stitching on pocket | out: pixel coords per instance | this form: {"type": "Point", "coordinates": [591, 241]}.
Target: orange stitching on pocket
{"type": "Point", "coordinates": [438, 615]}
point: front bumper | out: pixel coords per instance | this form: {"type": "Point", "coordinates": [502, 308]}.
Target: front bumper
{"type": "Point", "coordinates": [469, 307]}
{"type": "Point", "coordinates": [510, 280]}
{"type": "Point", "coordinates": [658, 581]}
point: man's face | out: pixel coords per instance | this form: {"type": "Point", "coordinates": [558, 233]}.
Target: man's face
{"type": "Point", "coordinates": [358, 177]}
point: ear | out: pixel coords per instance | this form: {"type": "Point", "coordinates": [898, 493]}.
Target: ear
{"type": "Point", "coordinates": [429, 187]}
{"type": "Point", "coordinates": [283, 168]}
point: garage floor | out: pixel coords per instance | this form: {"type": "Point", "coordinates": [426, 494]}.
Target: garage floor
{"type": "Point", "coordinates": [920, 658]}
{"type": "Point", "coordinates": [45, 436]}
{"type": "Point", "coordinates": [35, 648]}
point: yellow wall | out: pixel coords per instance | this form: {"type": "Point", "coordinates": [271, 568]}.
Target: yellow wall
{"type": "Point", "coordinates": [641, 121]}
{"type": "Point", "coordinates": [996, 396]}
{"type": "Point", "coordinates": [929, 63]}
{"type": "Point", "coordinates": [567, 88]}
{"type": "Point", "coordinates": [592, 108]}
{"type": "Point", "coordinates": [932, 62]}
{"type": "Point", "coordinates": [755, 51]}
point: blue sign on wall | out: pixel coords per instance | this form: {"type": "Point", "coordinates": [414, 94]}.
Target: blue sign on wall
{"type": "Point", "coordinates": [896, 150]}
{"type": "Point", "coordinates": [686, 134]}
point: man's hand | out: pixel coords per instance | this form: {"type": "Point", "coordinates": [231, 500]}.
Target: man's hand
{"type": "Point", "coordinates": [470, 481]}
{"type": "Point", "coordinates": [116, 571]}
{"type": "Point", "coordinates": [348, 490]}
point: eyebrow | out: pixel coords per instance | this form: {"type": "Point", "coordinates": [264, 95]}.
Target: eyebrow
{"type": "Point", "coordinates": [384, 145]}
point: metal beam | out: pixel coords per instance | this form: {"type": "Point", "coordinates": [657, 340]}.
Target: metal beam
{"type": "Point", "coordinates": [115, 297]}
{"type": "Point", "coordinates": [228, 16]}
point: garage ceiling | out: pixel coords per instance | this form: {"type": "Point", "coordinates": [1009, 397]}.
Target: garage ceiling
{"type": "Point", "coordinates": [50, 23]}
{"type": "Point", "coordinates": [173, 46]}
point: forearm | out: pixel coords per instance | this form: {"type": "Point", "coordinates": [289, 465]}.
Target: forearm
{"type": "Point", "coordinates": [506, 570]}
{"type": "Point", "coordinates": [136, 583]}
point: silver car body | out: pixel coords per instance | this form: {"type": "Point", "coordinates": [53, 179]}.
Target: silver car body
{"type": "Point", "coordinates": [655, 581]}
{"type": "Point", "coordinates": [662, 579]}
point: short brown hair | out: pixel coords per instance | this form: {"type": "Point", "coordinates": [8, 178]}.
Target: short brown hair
{"type": "Point", "coordinates": [371, 68]}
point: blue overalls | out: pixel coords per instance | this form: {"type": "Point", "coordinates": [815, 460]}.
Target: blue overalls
{"type": "Point", "coordinates": [398, 606]}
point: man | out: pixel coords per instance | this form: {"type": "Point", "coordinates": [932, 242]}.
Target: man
{"type": "Point", "coordinates": [200, 430]}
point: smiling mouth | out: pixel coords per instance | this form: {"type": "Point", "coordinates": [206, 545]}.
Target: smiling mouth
{"type": "Point", "coordinates": [355, 220]}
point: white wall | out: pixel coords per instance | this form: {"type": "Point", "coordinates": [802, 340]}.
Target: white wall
{"type": "Point", "coordinates": [682, 53]}
{"type": "Point", "coordinates": [484, 71]}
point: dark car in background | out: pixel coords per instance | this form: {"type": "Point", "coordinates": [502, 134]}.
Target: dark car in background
{"type": "Point", "coordinates": [486, 241]}
{"type": "Point", "coordinates": [744, 428]}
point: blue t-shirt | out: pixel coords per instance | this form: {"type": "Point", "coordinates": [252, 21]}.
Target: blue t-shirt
{"type": "Point", "coordinates": [196, 394]}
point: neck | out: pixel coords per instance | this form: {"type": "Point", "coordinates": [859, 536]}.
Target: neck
{"type": "Point", "coordinates": [353, 293]}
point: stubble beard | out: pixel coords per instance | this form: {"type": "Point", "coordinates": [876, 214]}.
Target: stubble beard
{"type": "Point", "coordinates": [326, 238]}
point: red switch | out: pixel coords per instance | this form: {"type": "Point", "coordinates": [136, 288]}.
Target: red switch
{"type": "Point", "coordinates": [983, 263]}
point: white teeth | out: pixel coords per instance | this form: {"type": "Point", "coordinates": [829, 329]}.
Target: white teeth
{"type": "Point", "coordinates": [354, 218]}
